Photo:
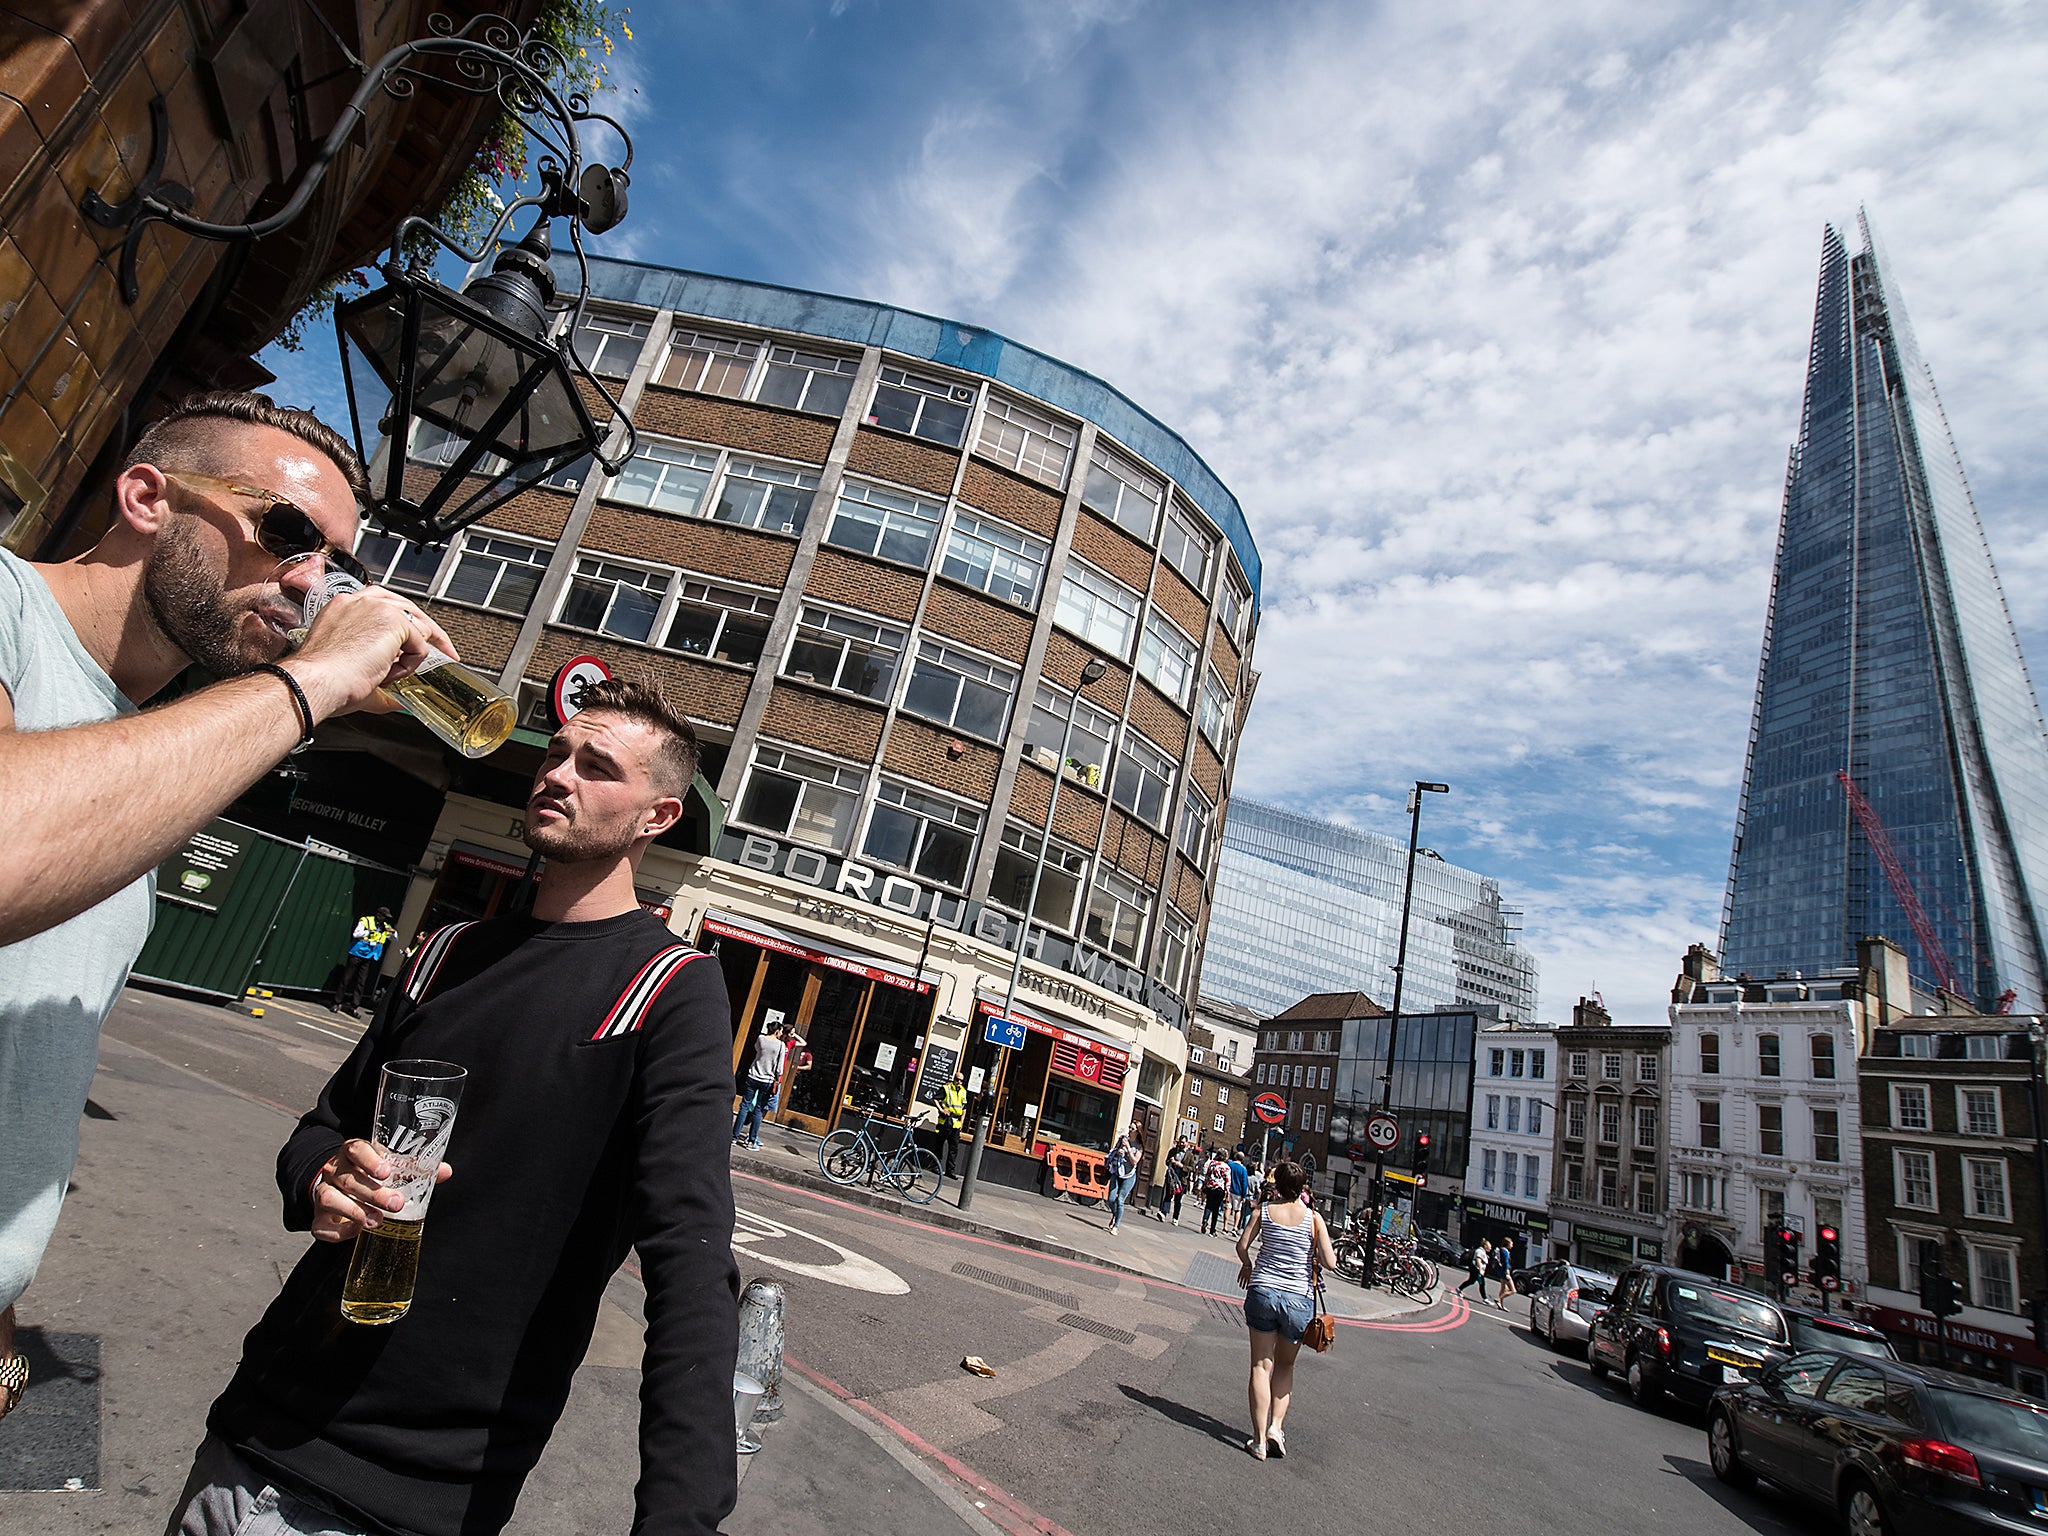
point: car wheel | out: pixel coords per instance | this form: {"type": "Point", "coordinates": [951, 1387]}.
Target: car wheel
{"type": "Point", "coordinates": [1725, 1455]}
{"type": "Point", "coordinates": [1642, 1387]}
{"type": "Point", "coordinates": [1594, 1363]}
{"type": "Point", "coordinates": [1862, 1514]}
{"type": "Point", "coordinates": [1550, 1329]}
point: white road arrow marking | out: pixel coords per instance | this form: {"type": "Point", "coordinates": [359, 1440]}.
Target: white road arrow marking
{"type": "Point", "coordinates": [755, 1236]}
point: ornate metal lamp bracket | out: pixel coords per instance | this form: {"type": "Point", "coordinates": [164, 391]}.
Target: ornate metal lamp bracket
{"type": "Point", "coordinates": [133, 211]}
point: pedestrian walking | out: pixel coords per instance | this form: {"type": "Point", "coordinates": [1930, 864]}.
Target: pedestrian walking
{"type": "Point", "coordinates": [373, 933]}
{"type": "Point", "coordinates": [1475, 1269]}
{"type": "Point", "coordinates": [1279, 1299]}
{"type": "Point", "coordinates": [1125, 1159]}
{"type": "Point", "coordinates": [1503, 1278]}
{"type": "Point", "coordinates": [952, 1115]}
{"type": "Point", "coordinates": [1254, 1183]}
{"type": "Point", "coordinates": [192, 568]}
{"type": "Point", "coordinates": [597, 1049]}
{"type": "Point", "coordinates": [1215, 1190]}
{"type": "Point", "coordinates": [1175, 1184]}
{"type": "Point", "coordinates": [1239, 1187]}
{"type": "Point", "coordinates": [764, 1077]}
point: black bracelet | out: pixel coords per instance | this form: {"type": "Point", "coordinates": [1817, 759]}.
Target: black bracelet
{"type": "Point", "coordinates": [298, 697]}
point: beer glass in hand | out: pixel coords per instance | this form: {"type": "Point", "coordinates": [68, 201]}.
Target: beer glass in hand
{"type": "Point", "coordinates": [416, 1104]}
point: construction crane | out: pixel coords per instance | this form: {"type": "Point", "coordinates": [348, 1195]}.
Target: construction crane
{"type": "Point", "coordinates": [1916, 915]}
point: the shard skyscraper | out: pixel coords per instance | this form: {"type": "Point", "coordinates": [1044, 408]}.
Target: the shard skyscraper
{"type": "Point", "coordinates": [1889, 655]}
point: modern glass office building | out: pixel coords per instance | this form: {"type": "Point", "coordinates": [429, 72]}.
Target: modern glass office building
{"type": "Point", "coordinates": [1304, 905]}
{"type": "Point", "coordinates": [1432, 1093]}
{"type": "Point", "coordinates": [1888, 655]}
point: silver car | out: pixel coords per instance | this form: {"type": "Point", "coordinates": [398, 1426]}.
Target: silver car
{"type": "Point", "coordinates": [1562, 1312]}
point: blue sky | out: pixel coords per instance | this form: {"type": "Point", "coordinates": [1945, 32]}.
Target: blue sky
{"type": "Point", "coordinates": [1493, 317]}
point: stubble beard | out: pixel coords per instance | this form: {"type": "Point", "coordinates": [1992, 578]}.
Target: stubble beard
{"type": "Point", "coordinates": [568, 843]}
{"type": "Point", "coordinates": [189, 603]}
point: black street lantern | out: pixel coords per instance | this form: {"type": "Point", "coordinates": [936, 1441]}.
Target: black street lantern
{"type": "Point", "coordinates": [459, 401]}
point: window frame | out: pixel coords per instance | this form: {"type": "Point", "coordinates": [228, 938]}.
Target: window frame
{"type": "Point", "coordinates": [1098, 594]}
{"type": "Point", "coordinates": [1821, 1061]}
{"type": "Point", "coordinates": [953, 660]}
{"type": "Point", "coordinates": [748, 467]}
{"type": "Point", "coordinates": [1647, 1143]}
{"type": "Point", "coordinates": [1925, 1091]}
{"type": "Point", "coordinates": [1964, 1119]}
{"type": "Point", "coordinates": [711, 586]}
{"type": "Point", "coordinates": [462, 550]}
{"type": "Point", "coordinates": [715, 348]}
{"type": "Point", "coordinates": [1199, 812]}
{"type": "Point", "coordinates": [633, 331]}
{"type": "Point", "coordinates": [1022, 550]}
{"type": "Point", "coordinates": [1102, 729]}
{"type": "Point", "coordinates": [1710, 1053]}
{"type": "Point", "coordinates": [1822, 1138]}
{"type": "Point", "coordinates": [1167, 658]}
{"type": "Point", "coordinates": [1214, 711]}
{"type": "Point", "coordinates": [387, 570]}
{"type": "Point", "coordinates": [1770, 1055]}
{"type": "Point", "coordinates": [648, 449]}
{"type": "Point", "coordinates": [1130, 493]}
{"type": "Point", "coordinates": [1026, 440]}
{"type": "Point", "coordinates": [882, 627]}
{"type": "Point", "coordinates": [1183, 529]}
{"type": "Point", "coordinates": [1901, 1181]}
{"type": "Point", "coordinates": [923, 390]}
{"type": "Point", "coordinates": [611, 571]}
{"type": "Point", "coordinates": [896, 796]}
{"type": "Point", "coordinates": [1706, 1121]}
{"type": "Point", "coordinates": [2010, 1277]}
{"type": "Point", "coordinates": [832, 367]}
{"type": "Point", "coordinates": [1973, 1191]}
{"type": "Point", "coordinates": [917, 512]}
{"type": "Point", "coordinates": [1106, 878]}
{"type": "Point", "coordinates": [1131, 751]}
{"type": "Point", "coordinates": [1166, 942]}
{"type": "Point", "coordinates": [1767, 1131]}
{"type": "Point", "coordinates": [807, 757]}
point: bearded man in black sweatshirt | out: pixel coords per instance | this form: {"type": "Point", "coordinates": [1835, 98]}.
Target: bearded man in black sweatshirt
{"type": "Point", "coordinates": [594, 1121]}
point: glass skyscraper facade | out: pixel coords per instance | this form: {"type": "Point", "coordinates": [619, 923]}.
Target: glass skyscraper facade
{"type": "Point", "coordinates": [1304, 905]}
{"type": "Point", "coordinates": [1432, 1094]}
{"type": "Point", "coordinates": [1889, 655]}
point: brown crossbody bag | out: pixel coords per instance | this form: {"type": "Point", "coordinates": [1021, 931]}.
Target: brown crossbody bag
{"type": "Point", "coordinates": [1321, 1331]}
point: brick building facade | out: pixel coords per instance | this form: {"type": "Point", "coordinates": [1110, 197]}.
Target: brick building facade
{"type": "Point", "coordinates": [1610, 1157]}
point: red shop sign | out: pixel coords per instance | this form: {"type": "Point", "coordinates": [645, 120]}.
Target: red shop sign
{"type": "Point", "coordinates": [1982, 1340]}
{"type": "Point", "coordinates": [816, 956]}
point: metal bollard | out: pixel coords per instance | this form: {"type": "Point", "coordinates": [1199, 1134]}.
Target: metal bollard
{"type": "Point", "coordinates": [761, 1344]}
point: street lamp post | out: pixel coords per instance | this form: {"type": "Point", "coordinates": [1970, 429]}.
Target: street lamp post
{"type": "Point", "coordinates": [1089, 674]}
{"type": "Point", "coordinates": [1379, 1161]}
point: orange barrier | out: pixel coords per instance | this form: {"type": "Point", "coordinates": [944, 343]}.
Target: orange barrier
{"type": "Point", "coordinates": [1078, 1172]}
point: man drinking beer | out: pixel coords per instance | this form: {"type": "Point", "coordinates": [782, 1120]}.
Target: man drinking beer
{"type": "Point", "coordinates": [598, 1051]}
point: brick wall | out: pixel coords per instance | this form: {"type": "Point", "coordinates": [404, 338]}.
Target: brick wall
{"type": "Point", "coordinates": [1080, 813]}
{"type": "Point", "coordinates": [1224, 655]}
{"type": "Point", "coordinates": [1134, 848]}
{"type": "Point", "coordinates": [1159, 718]}
{"type": "Point", "coordinates": [1001, 629]}
{"type": "Point", "coordinates": [1187, 887]}
{"type": "Point", "coordinates": [903, 460]}
{"type": "Point", "coordinates": [1208, 769]}
{"type": "Point", "coordinates": [540, 514]}
{"type": "Point", "coordinates": [709, 692]}
{"type": "Point", "coordinates": [1011, 497]}
{"type": "Point", "coordinates": [715, 549]}
{"type": "Point", "coordinates": [736, 423]}
{"type": "Point", "coordinates": [918, 750]}
{"type": "Point", "coordinates": [1108, 547]}
{"type": "Point", "coordinates": [873, 586]}
{"type": "Point", "coordinates": [1181, 602]}
{"type": "Point", "coordinates": [483, 640]}
{"type": "Point", "coordinates": [813, 719]}
{"type": "Point", "coordinates": [1065, 657]}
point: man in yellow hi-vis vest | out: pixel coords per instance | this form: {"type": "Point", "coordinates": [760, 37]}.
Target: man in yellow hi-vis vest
{"type": "Point", "coordinates": [365, 959]}
{"type": "Point", "coordinates": [952, 1110]}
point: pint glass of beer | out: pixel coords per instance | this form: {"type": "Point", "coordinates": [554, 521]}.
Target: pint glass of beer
{"type": "Point", "coordinates": [416, 1104]}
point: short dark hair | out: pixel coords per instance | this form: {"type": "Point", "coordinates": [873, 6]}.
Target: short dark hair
{"type": "Point", "coordinates": [183, 437]}
{"type": "Point", "coordinates": [1288, 1179]}
{"type": "Point", "coordinates": [675, 762]}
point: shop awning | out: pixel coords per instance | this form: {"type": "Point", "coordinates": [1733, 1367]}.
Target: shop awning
{"type": "Point", "coordinates": [486, 859]}
{"type": "Point", "coordinates": [1039, 1024]}
{"type": "Point", "coordinates": [819, 951]}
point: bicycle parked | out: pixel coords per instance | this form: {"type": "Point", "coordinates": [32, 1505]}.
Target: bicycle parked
{"type": "Point", "coordinates": [851, 1156]}
{"type": "Point", "coordinates": [1400, 1268]}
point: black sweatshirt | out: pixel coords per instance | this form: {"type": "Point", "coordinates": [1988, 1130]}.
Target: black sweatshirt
{"type": "Point", "coordinates": [574, 1143]}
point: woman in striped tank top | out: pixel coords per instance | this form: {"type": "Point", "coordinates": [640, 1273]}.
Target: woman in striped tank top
{"type": "Point", "coordinates": [1279, 1299]}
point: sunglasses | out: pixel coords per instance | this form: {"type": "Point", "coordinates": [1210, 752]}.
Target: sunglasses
{"type": "Point", "coordinates": [284, 528]}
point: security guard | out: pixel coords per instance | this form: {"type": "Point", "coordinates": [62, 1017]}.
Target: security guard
{"type": "Point", "coordinates": [365, 960]}
{"type": "Point", "coordinates": [952, 1111]}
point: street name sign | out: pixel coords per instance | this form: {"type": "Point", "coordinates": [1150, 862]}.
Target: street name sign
{"type": "Point", "coordinates": [1382, 1132]}
{"type": "Point", "coordinates": [1270, 1108]}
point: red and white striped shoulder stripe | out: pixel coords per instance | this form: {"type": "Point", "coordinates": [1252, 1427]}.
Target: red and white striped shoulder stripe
{"type": "Point", "coordinates": [630, 1011]}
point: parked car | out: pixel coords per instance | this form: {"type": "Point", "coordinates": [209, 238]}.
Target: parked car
{"type": "Point", "coordinates": [1561, 1313]}
{"type": "Point", "coordinates": [1672, 1331]}
{"type": "Point", "coordinates": [1831, 1330]}
{"type": "Point", "coordinates": [1899, 1450]}
{"type": "Point", "coordinates": [1531, 1278]}
{"type": "Point", "coordinates": [1435, 1244]}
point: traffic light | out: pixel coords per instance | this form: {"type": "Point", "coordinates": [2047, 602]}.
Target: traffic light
{"type": "Point", "coordinates": [1788, 1249]}
{"type": "Point", "coordinates": [1938, 1293]}
{"type": "Point", "coordinates": [1826, 1269]}
{"type": "Point", "coordinates": [1421, 1154]}
{"type": "Point", "coordinates": [1774, 1254]}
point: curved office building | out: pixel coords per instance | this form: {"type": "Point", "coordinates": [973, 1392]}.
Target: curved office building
{"type": "Point", "coordinates": [872, 552]}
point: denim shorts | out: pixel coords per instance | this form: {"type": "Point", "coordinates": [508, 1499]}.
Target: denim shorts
{"type": "Point", "coordinates": [1286, 1313]}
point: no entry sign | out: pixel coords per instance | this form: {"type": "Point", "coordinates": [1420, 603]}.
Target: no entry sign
{"type": "Point", "coordinates": [1270, 1107]}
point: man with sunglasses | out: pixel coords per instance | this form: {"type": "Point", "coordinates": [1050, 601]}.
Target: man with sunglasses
{"type": "Point", "coordinates": [228, 506]}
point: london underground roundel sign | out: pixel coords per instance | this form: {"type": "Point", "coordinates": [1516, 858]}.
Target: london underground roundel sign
{"type": "Point", "coordinates": [1270, 1107]}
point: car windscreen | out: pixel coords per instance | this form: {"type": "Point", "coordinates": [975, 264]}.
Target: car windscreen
{"type": "Point", "coordinates": [1994, 1423]}
{"type": "Point", "coordinates": [1728, 1309]}
{"type": "Point", "coordinates": [1593, 1290]}
{"type": "Point", "coordinates": [1809, 1334]}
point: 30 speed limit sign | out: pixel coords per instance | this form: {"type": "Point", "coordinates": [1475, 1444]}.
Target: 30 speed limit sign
{"type": "Point", "coordinates": [1382, 1132]}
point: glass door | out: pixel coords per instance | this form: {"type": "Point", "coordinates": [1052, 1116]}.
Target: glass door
{"type": "Point", "coordinates": [834, 1003]}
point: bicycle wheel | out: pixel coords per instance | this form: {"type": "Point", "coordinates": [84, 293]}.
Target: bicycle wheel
{"type": "Point", "coordinates": [915, 1176]}
{"type": "Point", "coordinates": [1351, 1260]}
{"type": "Point", "coordinates": [843, 1157]}
{"type": "Point", "coordinates": [1416, 1279]}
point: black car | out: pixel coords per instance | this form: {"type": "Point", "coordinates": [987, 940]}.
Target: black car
{"type": "Point", "coordinates": [1531, 1278]}
{"type": "Point", "coordinates": [1899, 1450]}
{"type": "Point", "coordinates": [1436, 1245]}
{"type": "Point", "coordinates": [1672, 1331]}
{"type": "Point", "coordinates": [1831, 1330]}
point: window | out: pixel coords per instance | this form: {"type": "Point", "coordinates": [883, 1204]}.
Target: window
{"type": "Point", "coordinates": [1194, 1087]}
{"type": "Point", "coordinates": [891, 524]}
{"type": "Point", "coordinates": [1261, 1074]}
{"type": "Point", "coordinates": [496, 573]}
{"type": "Point", "coordinates": [1767, 1061]}
{"type": "Point", "coordinates": [1646, 1068]}
{"type": "Point", "coordinates": [1983, 1047]}
{"type": "Point", "coordinates": [1909, 1106]}
{"type": "Point", "coordinates": [1496, 1062]}
{"type": "Point", "coordinates": [1514, 1114]}
{"type": "Point", "coordinates": [1827, 1212]}
{"type": "Point", "coordinates": [1196, 817]}
{"type": "Point", "coordinates": [1991, 1269]}
{"type": "Point", "coordinates": [805, 798]}
{"type": "Point", "coordinates": [1025, 440]}
{"type": "Point", "coordinates": [1087, 743]}
{"type": "Point", "coordinates": [1646, 1127]}
{"type": "Point", "coordinates": [717, 365]}
{"type": "Point", "coordinates": [1122, 492]}
{"type": "Point", "coordinates": [1823, 1047]}
{"type": "Point", "coordinates": [758, 493]}
{"type": "Point", "coordinates": [1978, 1111]}
{"type": "Point", "coordinates": [665, 477]}
{"type": "Point", "coordinates": [1770, 1129]}
{"type": "Point", "coordinates": [1770, 1207]}
{"type": "Point", "coordinates": [1913, 1179]}
{"type": "Point", "coordinates": [1531, 1176]}
{"type": "Point", "coordinates": [1610, 1066]}
{"type": "Point", "coordinates": [1098, 608]}
{"type": "Point", "coordinates": [570, 476]}
{"type": "Point", "coordinates": [1300, 1073]}
{"type": "Point", "coordinates": [1219, 1120]}
{"type": "Point", "coordinates": [1323, 1078]}
{"type": "Point", "coordinates": [1166, 658]}
{"type": "Point", "coordinates": [1489, 1169]}
{"type": "Point", "coordinates": [1215, 712]}
{"type": "Point", "coordinates": [613, 599]}
{"type": "Point", "coordinates": [1537, 1064]}
{"type": "Point", "coordinates": [1710, 1055]}
{"type": "Point", "coordinates": [1493, 1111]}
{"type": "Point", "coordinates": [930, 837]}
{"type": "Point", "coordinates": [1646, 1194]}
{"type": "Point", "coordinates": [1117, 910]}
{"type": "Point", "coordinates": [1144, 780]}
{"type": "Point", "coordinates": [1610, 1124]}
{"type": "Point", "coordinates": [440, 447]}
{"type": "Point", "coordinates": [1294, 1040]}
{"type": "Point", "coordinates": [1576, 1065]}
{"type": "Point", "coordinates": [398, 564]}
{"type": "Point", "coordinates": [1986, 1179]}
{"type": "Point", "coordinates": [726, 623]}
{"type": "Point", "coordinates": [1699, 1191]}
{"type": "Point", "coordinates": [1322, 1117]}
{"type": "Point", "coordinates": [1535, 1117]}
{"type": "Point", "coordinates": [995, 558]}
{"type": "Point", "coordinates": [844, 653]}
{"type": "Point", "coordinates": [1921, 1046]}
{"type": "Point", "coordinates": [1233, 606]}
{"type": "Point", "coordinates": [807, 381]}
{"type": "Point", "coordinates": [1827, 1136]}
{"type": "Point", "coordinates": [960, 690]}
{"type": "Point", "coordinates": [1574, 1181]}
{"type": "Point", "coordinates": [1710, 1124]}
{"type": "Point", "coordinates": [917, 403]}
{"type": "Point", "coordinates": [1307, 1115]}
{"type": "Point", "coordinates": [1170, 957]}
{"type": "Point", "coordinates": [1186, 545]}
{"type": "Point", "coordinates": [1515, 1063]}
{"type": "Point", "coordinates": [1510, 1172]}
{"type": "Point", "coordinates": [1575, 1120]}
{"type": "Point", "coordinates": [1610, 1186]}
{"type": "Point", "coordinates": [608, 344]}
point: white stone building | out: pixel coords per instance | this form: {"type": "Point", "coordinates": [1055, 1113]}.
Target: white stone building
{"type": "Point", "coordinates": [1514, 1113]}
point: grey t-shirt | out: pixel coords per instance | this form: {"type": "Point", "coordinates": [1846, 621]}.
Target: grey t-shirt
{"type": "Point", "coordinates": [57, 987]}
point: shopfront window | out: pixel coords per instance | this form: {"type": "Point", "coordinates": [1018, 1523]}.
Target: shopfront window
{"type": "Point", "coordinates": [1078, 1115]}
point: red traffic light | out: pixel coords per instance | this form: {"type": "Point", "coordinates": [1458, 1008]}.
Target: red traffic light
{"type": "Point", "coordinates": [1788, 1237]}
{"type": "Point", "coordinates": [1829, 1235]}
{"type": "Point", "coordinates": [1422, 1138]}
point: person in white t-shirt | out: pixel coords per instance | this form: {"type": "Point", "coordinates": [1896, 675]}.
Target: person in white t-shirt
{"type": "Point", "coordinates": [764, 1076]}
